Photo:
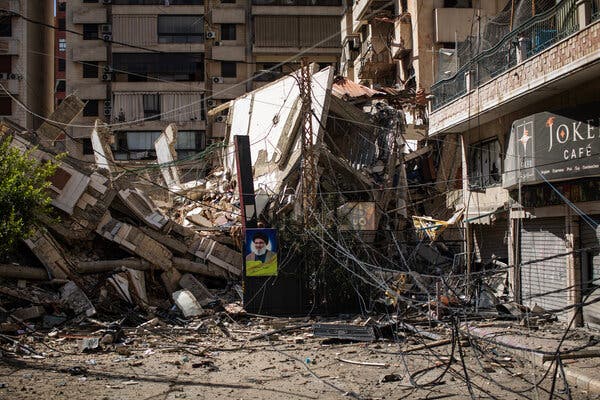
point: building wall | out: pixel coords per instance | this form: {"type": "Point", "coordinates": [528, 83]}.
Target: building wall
{"type": "Point", "coordinates": [59, 36]}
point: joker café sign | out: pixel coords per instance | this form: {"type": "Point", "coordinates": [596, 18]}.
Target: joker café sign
{"type": "Point", "coordinates": [553, 147]}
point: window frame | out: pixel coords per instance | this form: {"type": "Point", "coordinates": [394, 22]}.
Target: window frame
{"type": "Point", "coordinates": [181, 36]}
{"type": "Point", "coordinates": [90, 69]}
{"type": "Point", "coordinates": [89, 33]}
{"type": "Point", "coordinates": [89, 108]}
{"type": "Point", "coordinates": [226, 34]}
{"type": "Point", "coordinates": [8, 103]}
{"type": "Point", "coordinates": [225, 72]}
{"type": "Point", "coordinates": [482, 176]}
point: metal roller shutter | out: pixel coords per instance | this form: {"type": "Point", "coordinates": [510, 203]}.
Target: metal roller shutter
{"type": "Point", "coordinates": [590, 267]}
{"type": "Point", "coordinates": [542, 269]}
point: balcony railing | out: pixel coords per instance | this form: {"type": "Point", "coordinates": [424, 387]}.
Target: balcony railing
{"type": "Point", "coordinates": [531, 38]}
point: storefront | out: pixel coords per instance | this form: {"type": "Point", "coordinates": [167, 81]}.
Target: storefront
{"type": "Point", "coordinates": [552, 172]}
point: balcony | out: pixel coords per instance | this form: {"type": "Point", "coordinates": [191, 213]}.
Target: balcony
{"type": "Point", "coordinates": [374, 65]}
{"type": "Point", "coordinates": [228, 16]}
{"type": "Point", "coordinates": [96, 52]}
{"type": "Point", "coordinates": [364, 10]}
{"type": "Point", "coordinates": [95, 91]}
{"type": "Point", "coordinates": [228, 91]}
{"type": "Point", "coordinates": [521, 70]}
{"type": "Point", "coordinates": [229, 53]}
{"type": "Point", "coordinates": [531, 38]}
{"type": "Point", "coordinates": [9, 46]}
{"type": "Point", "coordinates": [90, 15]}
{"type": "Point", "coordinates": [453, 24]}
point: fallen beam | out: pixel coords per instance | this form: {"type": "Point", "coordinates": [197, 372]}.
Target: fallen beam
{"type": "Point", "coordinates": [181, 264]}
{"type": "Point", "coordinates": [21, 272]}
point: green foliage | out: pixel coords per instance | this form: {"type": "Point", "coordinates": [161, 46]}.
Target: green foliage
{"type": "Point", "coordinates": [24, 193]}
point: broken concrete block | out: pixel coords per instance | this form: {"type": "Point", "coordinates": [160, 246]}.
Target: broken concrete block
{"type": "Point", "coordinates": [65, 113]}
{"type": "Point", "coordinates": [217, 254]}
{"type": "Point", "coordinates": [197, 288]}
{"type": "Point", "coordinates": [171, 278]}
{"type": "Point", "coordinates": [143, 207]}
{"type": "Point", "coordinates": [27, 313]}
{"type": "Point", "coordinates": [187, 303]}
{"type": "Point", "coordinates": [166, 155]}
{"type": "Point", "coordinates": [49, 253]}
{"type": "Point", "coordinates": [138, 283]}
{"type": "Point", "coordinates": [121, 285]}
{"type": "Point", "coordinates": [101, 139]}
{"type": "Point", "coordinates": [136, 241]}
{"type": "Point", "coordinates": [72, 295]}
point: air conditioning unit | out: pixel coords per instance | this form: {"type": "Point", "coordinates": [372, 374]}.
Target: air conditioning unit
{"type": "Point", "coordinates": [216, 43]}
{"type": "Point", "coordinates": [106, 69]}
{"type": "Point", "coordinates": [2, 76]}
{"type": "Point", "coordinates": [107, 104]}
{"type": "Point", "coordinates": [106, 28]}
{"type": "Point", "coordinates": [107, 112]}
{"type": "Point", "coordinates": [107, 37]}
{"type": "Point", "coordinates": [221, 118]}
{"type": "Point", "coordinates": [211, 35]}
{"type": "Point", "coordinates": [107, 77]}
{"type": "Point", "coordinates": [106, 1]}
{"type": "Point", "coordinates": [217, 79]}
{"type": "Point", "coordinates": [211, 103]}
{"type": "Point", "coordinates": [13, 76]}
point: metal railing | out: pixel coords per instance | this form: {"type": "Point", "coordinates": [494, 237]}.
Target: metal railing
{"type": "Point", "coordinates": [531, 38]}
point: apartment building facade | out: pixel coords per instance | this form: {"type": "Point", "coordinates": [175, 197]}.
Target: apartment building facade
{"type": "Point", "coordinates": [60, 62]}
{"type": "Point", "coordinates": [522, 118]}
{"type": "Point", "coordinates": [26, 61]}
{"type": "Point", "coordinates": [142, 64]}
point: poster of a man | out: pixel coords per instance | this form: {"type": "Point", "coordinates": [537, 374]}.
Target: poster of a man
{"type": "Point", "coordinates": [261, 252]}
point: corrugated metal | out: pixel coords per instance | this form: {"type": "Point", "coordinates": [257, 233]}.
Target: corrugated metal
{"type": "Point", "coordinates": [275, 31]}
{"type": "Point", "coordinates": [138, 30]}
{"type": "Point", "coordinates": [295, 31]}
{"type": "Point", "coordinates": [542, 270]}
{"type": "Point", "coordinates": [490, 240]}
{"type": "Point", "coordinates": [590, 266]}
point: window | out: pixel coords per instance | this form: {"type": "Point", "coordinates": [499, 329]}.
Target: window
{"type": "Point", "coordinates": [88, 149]}
{"type": "Point", "coordinates": [5, 26]}
{"type": "Point", "coordinates": [90, 69]}
{"type": "Point", "coordinates": [61, 24]}
{"type": "Point", "coordinates": [91, 108]}
{"type": "Point", "coordinates": [228, 31]}
{"type": "Point", "coordinates": [62, 44]}
{"type": "Point", "coordinates": [485, 164]}
{"type": "Point", "coordinates": [228, 69]}
{"type": "Point", "coordinates": [458, 4]}
{"type": "Point", "coordinates": [90, 31]}
{"type": "Point", "coordinates": [6, 64]}
{"type": "Point", "coordinates": [5, 105]}
{"type": "Point", "coordinates": [190, 142]}
{"type": "Point", "coordinates": [62, 64]}
{"type": "Point", "coordinates": [151, 106]}
{"type": "Point", "coordinates": [227, 1]}
{"type": "Point", "coordinates": [90, 1]}
{"type": "Point", "coordinates": [169, 66]}
{"type": "Point", "coordinates": [63, 6]}
{"type": "Point", "coordinates": [61, 86]}
{"type": "Point", "coordinates": [180, 29]}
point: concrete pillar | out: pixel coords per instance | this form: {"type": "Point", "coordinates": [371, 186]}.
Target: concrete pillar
{"type": "Point", "coordinates": [469, 80]}
{"type": "Point", "coordinates": [584, 12]}
{"type": "Point", "coordinates": [514, 260]}
{"type": "Point", "coordinates": [573, 267]}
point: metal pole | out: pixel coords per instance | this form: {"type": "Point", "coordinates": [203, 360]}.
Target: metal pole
{"type": "Point", "coordinates": [309, 167]}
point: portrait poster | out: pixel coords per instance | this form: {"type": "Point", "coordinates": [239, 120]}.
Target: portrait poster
{"type": "Point", "coordinates": [260, 252]}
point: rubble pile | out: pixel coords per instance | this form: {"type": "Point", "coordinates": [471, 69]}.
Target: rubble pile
{"type": "Point", "coordinates": [110, 250]}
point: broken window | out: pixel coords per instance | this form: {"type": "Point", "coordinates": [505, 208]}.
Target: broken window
{"type": "Point", "coordinates": [485, 164]}
{"type": "Point", "coordinates": [180, 29]}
